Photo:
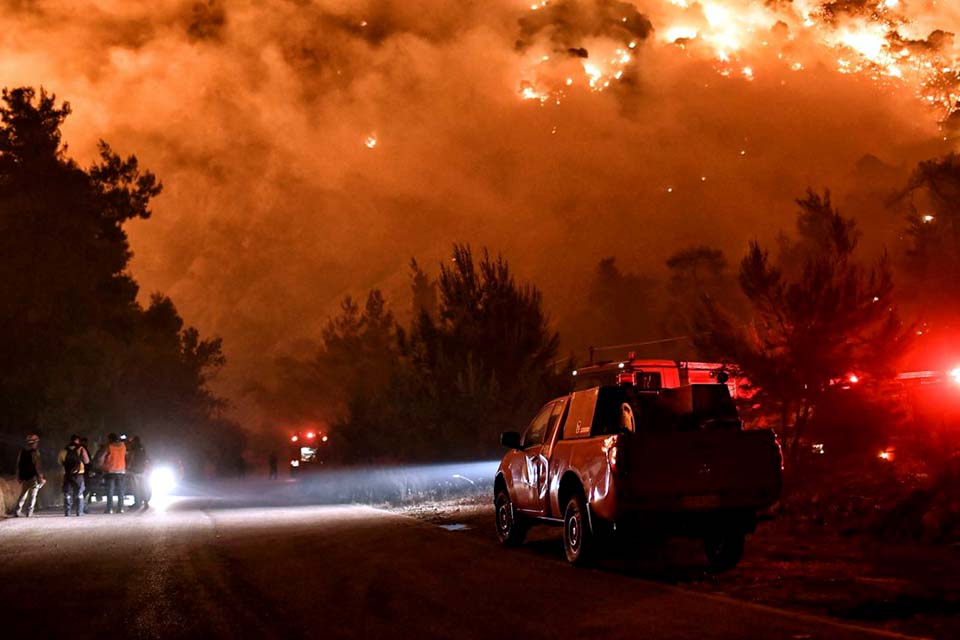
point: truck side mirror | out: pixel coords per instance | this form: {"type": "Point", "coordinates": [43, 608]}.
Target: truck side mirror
{"type": "Point", "coordinates": [510, 439]}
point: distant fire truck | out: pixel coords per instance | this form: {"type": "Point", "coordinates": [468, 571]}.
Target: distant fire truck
{"type": "Point", "coordinates": [931, 397]}
{"type": "Point", "coordinates": [307, 449]}
{"type": "Point", "coordinates": [657, 374]}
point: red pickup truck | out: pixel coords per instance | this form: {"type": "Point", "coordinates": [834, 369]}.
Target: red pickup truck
{"type": "Point", "coordinates": [649, 463]}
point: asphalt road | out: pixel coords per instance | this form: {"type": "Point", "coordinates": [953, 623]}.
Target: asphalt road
{"type": "Point", "coordinates": [213, 570]}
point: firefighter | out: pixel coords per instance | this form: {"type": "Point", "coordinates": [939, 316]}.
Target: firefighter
{"type": "Point", "coordinates": [30, 475]}
{"type": "Point", "coordinates": [74, 459]}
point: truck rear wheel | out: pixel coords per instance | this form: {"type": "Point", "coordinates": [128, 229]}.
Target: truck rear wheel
{"type": "Point", "coordinates": [724, 548]}
{"type": "Point", "coordinates": [578, 539]}
{"type": "Point", "coordinates": [511, 528]}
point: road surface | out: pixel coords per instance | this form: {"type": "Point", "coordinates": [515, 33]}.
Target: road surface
{"type": "Point", "coordinates": [202, 569]}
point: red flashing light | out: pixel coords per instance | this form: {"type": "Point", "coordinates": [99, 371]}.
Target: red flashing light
{"type": "Point", "coordinates": [324, 438]}
{"type": "Point", "coordinates": [294, 438]}
{"type": "Point", "coordinates": [311, 435]}
{"type": "Point", "coordinates": [955, 374]}
{"type": "Point", "coordinates": [853, 378]}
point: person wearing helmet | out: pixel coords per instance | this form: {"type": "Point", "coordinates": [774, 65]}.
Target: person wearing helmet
{"type": "Point", "coordinates": [30, 474]}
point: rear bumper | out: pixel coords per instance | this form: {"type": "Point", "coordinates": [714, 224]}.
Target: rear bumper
{"type": "Point", "coordinates": [679, 506]}
{"type": "Point", "coordinates": [695, 504]}
{"type": "Point", "coordinates": [695, 524]}
{"type": "Point", "coordinates": [700, 503]}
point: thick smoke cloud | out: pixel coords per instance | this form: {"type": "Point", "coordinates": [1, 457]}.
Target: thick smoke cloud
{"type": "Point", "coordinates": [309, 149]}
{"type": "Point", "coordinates": [568, 24]}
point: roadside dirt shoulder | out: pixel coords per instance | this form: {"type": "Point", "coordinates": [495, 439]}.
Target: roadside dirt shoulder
{"type": "Point", "coordinates": [906, 587]}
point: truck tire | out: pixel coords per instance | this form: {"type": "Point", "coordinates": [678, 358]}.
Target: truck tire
{"type": "Point", "coordinates": [578, 540]}
{"type": "Point", "coordinates": [511, 528]}
{"type": "Point", "coordinates": [723, 548]}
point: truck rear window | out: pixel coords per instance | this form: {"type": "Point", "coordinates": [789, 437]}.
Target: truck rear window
{"type": "Point", "coordinates": [689, 408]}
{"type": "Point", "coordinates": [601, 411]}
{"type": "Point", "coordinates": [607, 416]}
{"type": "Point", "coordinates": [697, 406]}
{"type": "Point", "coordinates": [713, 400]}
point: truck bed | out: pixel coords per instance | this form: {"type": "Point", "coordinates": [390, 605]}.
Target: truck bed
{"type": "Point", "coordinates": [699, 471]}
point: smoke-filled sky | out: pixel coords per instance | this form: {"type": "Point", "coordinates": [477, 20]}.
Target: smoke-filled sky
{"type": "Point", "coordinates": [310, 149]}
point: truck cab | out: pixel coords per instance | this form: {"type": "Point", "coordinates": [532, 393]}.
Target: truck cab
{"type": "Point", "coordinates": [635, 460]}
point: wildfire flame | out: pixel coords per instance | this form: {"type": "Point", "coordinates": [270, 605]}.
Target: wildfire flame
{"type": "Point", "coordinates": [888, 41]}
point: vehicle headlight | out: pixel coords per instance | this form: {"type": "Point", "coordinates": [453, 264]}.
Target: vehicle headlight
{"type": "Point", "coordinates": [162, 481]}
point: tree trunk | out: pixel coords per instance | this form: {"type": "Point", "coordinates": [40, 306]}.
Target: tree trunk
{"type": "Point", "coordinates": [800, 422]}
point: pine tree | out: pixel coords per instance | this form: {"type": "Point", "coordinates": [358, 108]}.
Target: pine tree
{"type": "Point", "coordinates": [816, 320]}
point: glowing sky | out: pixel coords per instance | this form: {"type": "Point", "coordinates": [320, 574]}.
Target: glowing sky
{"type": "Point", "coordinates": [309, 149]}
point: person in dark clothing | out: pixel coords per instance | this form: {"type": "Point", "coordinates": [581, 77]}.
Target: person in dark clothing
{"type": "Point", "coordinates": [87, 472]}
{"type": "Point", "coordinates": [96, 479]}
{"type": "Point", "coordinates": [74, 459]}
{"type": "Point", "coordinates": [272, 460]}
{"type": "Point", "coordinates": [30, 475]}
{"type": "Point", "coordinates": [137, 464]}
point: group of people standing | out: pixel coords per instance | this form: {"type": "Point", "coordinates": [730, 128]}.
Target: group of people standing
{"type": "Point", "coordinates": [118, 465]}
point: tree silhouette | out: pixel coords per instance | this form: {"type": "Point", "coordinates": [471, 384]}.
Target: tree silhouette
{"type": "Point", "coordinates": [64, 254]}
{"type": "Point", "coordinates": [697, 273]}
{"type": "Point", "coordinates": [423, 291]}
{"type": "Point", "coordinates": [488, 356]}
{"type": "Point", "coordinates": [80, 354]}
{"type": "Point", "coordinates": [442, 388]}
{"type": "Point", "coordinates": [620, 307]}
{"type": "Point", "coordinates": [811, 329]}
{"type": "Point", "coordinates": [933, 226]}
{"type": "Point", "coordinates": [698, 268]}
